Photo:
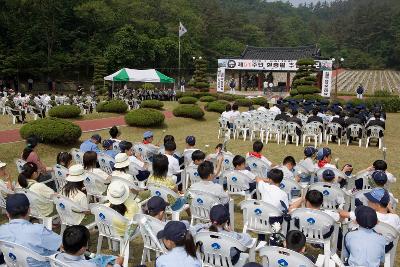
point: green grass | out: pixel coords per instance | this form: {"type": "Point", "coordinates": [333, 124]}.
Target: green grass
{"type": "Point", "coordinates": [206, 134]}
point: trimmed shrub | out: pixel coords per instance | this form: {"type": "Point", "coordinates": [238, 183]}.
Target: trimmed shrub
{"type": "Point", "coordinates": [382, 93]}
{"type": "Point", "coordinates": [65, 111]}
{"type": "Point", "coordinates": [261, 101]}
{"type": "Point", "coordinates": [187, 100]}
{"type": "Point", "coordinates": [305, 89]}
{"type": "Point", "coordinates": [294, 92]}
{"type": "Point", "coordinates": [207, 98]}
{"type": "Point", "coordinates": [244, 102]}
{"type": "Point", "coordinates": [152, 103]}
{"type": "Point", "coordinates": [188, 111]}
{"type": "Point", "coordinates": [226, 97]}
{"type": "Point", "coordinates": [113, 106]}
{"type": "Point", "coordinates": [184, 94]}
{"type": "Point", "coordinates": [389, 104]}
{"type": "Point", "coordinates": [216, 106]}
{"type": "Point", "coordinates": [52, 131]}
{"type": "Point", "coordinates": [144, 117]}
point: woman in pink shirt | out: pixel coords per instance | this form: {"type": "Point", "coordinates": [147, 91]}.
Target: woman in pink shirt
{"type": "Point", "coordinates": [29, 155]}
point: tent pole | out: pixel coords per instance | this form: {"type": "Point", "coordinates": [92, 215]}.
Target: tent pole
{"type": "Point", "coordinates": [179, 61]}
{"type": "Point", "coordinates": [112, 90]}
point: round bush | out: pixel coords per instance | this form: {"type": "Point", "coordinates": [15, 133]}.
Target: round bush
{"type": "Point", "coordinates": [184, 94]}
{"type": "Point", "coordinates": [261, 101]}
{"type": "Point", "coordinates": [52, 131]}
{"type": "Point", "coordinates": [152, 103]}
{"type": "Point", "coordinates": [226, 97]}
{"type": "Point", "coordinates": [305, 89]}
{"type": "Point", "coordinates": [144, 117]}
{"type": "Point", "coordinates": [188, 111]}
{"type": "Point", "coordinates": [245, 102]}
{"type": "Point", "coordinates": [65, 111]}
{"type": "Point", "coordinates": [113, 106]}
{"type": "Point", "coordinates": [207, 99]}
{"type": "Point", "coordinates": [187, 100]}
{"type": "Point", "coordinates": [216, 106]}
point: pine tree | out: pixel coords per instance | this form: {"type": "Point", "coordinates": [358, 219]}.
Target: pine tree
{"type": "Point", "coordinates": [99, 72]}
{"type": "Point", "coordinates": [305, 80]}
{"type": "Point", "coordinates": [200, 76]}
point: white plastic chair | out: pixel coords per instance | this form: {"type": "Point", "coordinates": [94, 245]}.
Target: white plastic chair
{"type": "Point", "coordinates": [215, 249]}
{"type": "Point", "coordinates": [331, 195]}
{"type": "Point", "coordinates": [116, 147]}
{"type": "Point", "coordinates": [333, 130]}
{"type": "Point", "coordinates": [337, 172]}
{"type": "Point", "coordinates": [54, 262]}
{"type": "Point", "coordinates": [149, 227]}
{"type": "Point", "coordinates": [223, 127]}
{"type": "Point", "coordinates": [104, 217]}
{"type": "Point", "coordinates": [77, 155]}
{"type": "Point", "coordinates": [95, 186]}
{"type": "Point", "coordinates": [187, 157]}
{"type": "Point", "coordinates": [20, 164]}
{"type": "Point", "coordinates": [4, 192]}
{"type": "Point", "coordinates": [144, 151]}
{"type": "Point", "coordinates": [256, 128]}
{"type": "Point", "coordinates": [315, 224]}
{"type": "Point", "coordinates": [354, 133]}
{"type": "Point", "coordinates": [391, 235]}
{"type": "Point", "coordinates": [35, 201]}
{"type": "Point", "coordinates": [106, 162]}
{"type": "Point", "coordinates": [241, 128]}
{"type": "Point", "coordinates": [201, 204]}
{"type": "Point", "coordinates": [14, 113]}
{"type": "Point", "coordinates": [291, 187]}
{"type": "Point", "coordinates": [60, 175]}
{"type": "Point", "coordinates": [273, 129]}
{"type": "Point", "coordinates": [375, 133]}
{"type": "Point", "coordinates": [192, 175]}
{"type": "Point", "coordinates": [164, 192]}
{"type": "Point", "coordinates": [257, 166]}
{"type": "Point", "coordinates": [237, 185]}
{"type": "Point", "coordinates": [66, 208]}
{"type": "Point", "coordinates": [19, 256]}
{"type": "Point", "coordinates": [311, 131]}
{"type": "Point", "coordinates": [278, 257]}
{"type": "Point", "coordinates": [256, 215]}
{"type": "Point", "coordinates": [290, 131]}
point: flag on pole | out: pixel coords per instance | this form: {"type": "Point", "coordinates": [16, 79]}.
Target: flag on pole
{"type": "Point", "coordinates": [182, 29]}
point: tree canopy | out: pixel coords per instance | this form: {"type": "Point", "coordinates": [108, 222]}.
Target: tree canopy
{"type": "Point", "coordinates": [57, 38]}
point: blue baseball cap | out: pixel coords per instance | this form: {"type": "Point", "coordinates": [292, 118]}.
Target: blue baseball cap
{"type": "Point", "coordinates": [366, 217]}
{"type": "Point", "coordinates": [148, 134]}
{"type": "Point", "coordinates": [174, 231]}
{"type": "Point", "coordinates": [191, 140]}
{"type": "Point", "coordinates": [14, 202]}
{"type": "Point", "coordinates": [107, 143]}
{"type": "Point", "coordinates": [156, 204]}
{"type": "Point", "coordinates": [323, 152]}
{"type": "Point", "coordinates": [328, 175]}
{"type": "Point", "coordinates": [309, 151]}
{"type": "Point", "coordinates": [96, 137]}
{"type": "Point", "coordinates": [379, 177]}
{"type": "Point", "coordinates": [378, 195]}
{"type": "Point", "coordinates": [219, 214]}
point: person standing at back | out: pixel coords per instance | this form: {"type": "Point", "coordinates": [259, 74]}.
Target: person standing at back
{"type": "Point", "coordinates": [360, 91]}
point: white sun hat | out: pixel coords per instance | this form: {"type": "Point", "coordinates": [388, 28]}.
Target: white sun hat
{"type": "Point", "coordinates": [121, 161]}
{"type": "Point", "coordinates": [76, 173]}
{"type": "Point", "coordinates": [117, 192]}
{"type": "Point", "coordinates": [2, 164]}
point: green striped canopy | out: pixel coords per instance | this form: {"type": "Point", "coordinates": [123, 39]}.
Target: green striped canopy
{"type": "Point", "coordinates": [134, 75]}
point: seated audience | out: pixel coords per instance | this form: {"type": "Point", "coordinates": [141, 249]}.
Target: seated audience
{"type": "Point", "coordinates": [5, 178]}
{"type": "Point", "coordinates": [287, 168]}
{"type": "Point", "coordinates": [141, 168]}
{"type": "Point", "coordinates": [239, 163]}
{"type": "Point", "coordinates": [91, 144]}
{"type": "Point", "coordinates": [108, 148]}
{"type": "Point", "coordinates": [257, 152]}
{"type": "Point", "coordinates": [64, 159]}
{"type": "Point", "coordinates": [270, 191]}
{"type": "Point", "coordinates": [115, 134]}
{"type": "Point", "coordinates": [121, 167]}
{"type": "Point", "coordinates": [296, 241]}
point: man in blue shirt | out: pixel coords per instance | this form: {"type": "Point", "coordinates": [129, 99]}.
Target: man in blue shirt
{"type": "Point", "coordinates": [365, 247]}
{"type": "Point", "coordinates": [20, 231]}
{"type": "Point", "coordinates": [108, 148]}
{"type": "Point", "coordinates": [91, 144]}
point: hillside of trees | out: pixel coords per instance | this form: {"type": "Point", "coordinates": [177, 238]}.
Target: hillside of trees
{"type": "Point", "coordinates": [59, 38]}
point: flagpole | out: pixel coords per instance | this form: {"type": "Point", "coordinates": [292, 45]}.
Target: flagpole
{"type": "Point", "coordinates": [179, 56]}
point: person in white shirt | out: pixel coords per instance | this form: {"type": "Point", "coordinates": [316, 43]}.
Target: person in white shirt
{"type": "Point", "coordinates": [122, 167]}
{"type": "Point", "coordinates": [239, 163]}
{"type": "Point", "coordinates": [257, 150]}
{"type": "Point", "coordinates": [190, 148]}
{"type": "Point", "coordinates": [74, 190]}
{"type": "Point", "coordinates": [275, 109]}
{"type": "Point", "coordinates": [308, 161]}
{"type": "Point", "coordinates": [141, 168]}
{"type": "Point", "coordinates": [270, 191]}
{"type": "Point", "coordinates": [227, 113]}
{"type": "Point", "coordinates": [235, 113]}
{"type": "Point", "coordinates": [381, 165]}
{"type": "Point", "coordinates": [173, 163]}
{"type": "Point", "coordinates": [287, 168]}
{"type": "Point", "coordinates": [115, 134]}
{"type": "Point", "coordinates": [324, 157]}
{"type": "Point", "coordinates": [264, 108]}
{"type": "Point", "coordinates": [313, 200]}
{"type": "Point", "coordinates": [206, 173]}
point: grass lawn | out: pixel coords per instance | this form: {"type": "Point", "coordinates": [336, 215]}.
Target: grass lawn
{"type": "Point", "coordinates": [206, 134]}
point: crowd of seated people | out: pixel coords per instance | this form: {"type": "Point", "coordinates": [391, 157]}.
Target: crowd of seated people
{"type": "Point", "coordinates": [362, 246]}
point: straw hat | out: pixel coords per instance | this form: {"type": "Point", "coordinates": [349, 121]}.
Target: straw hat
{"type": "Point", "coordinates": [117, 192]}
{"type": "Point", "coordinates": [121, 161]}
{"type": "Point", "coordinates": [76, 173]}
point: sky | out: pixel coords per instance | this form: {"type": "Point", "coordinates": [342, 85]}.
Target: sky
{"type": "Point", "coordinates": [297, 2]}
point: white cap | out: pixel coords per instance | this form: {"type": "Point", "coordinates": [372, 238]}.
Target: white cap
{"type": "Point", "coordinates": [76, 173]}
{"type": "Point", "coordinates": [117, 192]}
{"type": "Point", "coordinates": [121, 161]}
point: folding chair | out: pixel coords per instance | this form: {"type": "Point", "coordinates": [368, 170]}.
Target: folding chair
{"type": "Point", "coordinates": [104, 217]}
{"type": "Point", "coordinates": [18, 255]}
{"type": "Point", "coordinates": [257, 166]}
{"type": "Point", "coordinates": [66, 208]}
{"type": "Point", "coordinates": [278, 257]}
{"type": "Point", "coordinates": [331, 195]}
{"type": "Point", "coordinates": [149, 227]}
{"type": "Point", "coordinates": [106, 162]}
{"type": "Point", "coordinates": [315, 225]}
{"type": "Point", "coordinates": [164, 192]}
{"type": "Point", "coordinates": [375, 132]}
{"type": "Point", "coordinates": [391, 235]}
{"type": "Point", "coordinates": [36, 201]}
{"type": "Point", "coordinates": [77, 155]}
{"type": "Point", "coordinates": [60, 175]}
{"type": "Point", "coordinates": [215, 249]}
{"type": "Point", "coordinates": [20, 164]}
{"type": "Point", "coordinates": [290, 131]}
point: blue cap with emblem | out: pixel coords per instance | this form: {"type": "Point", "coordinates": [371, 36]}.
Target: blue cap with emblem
{"type": "Point", "coordinates": [379, 177]}
{"type": "Point", "coordinates": [219, 214]}
{"type": "Point", "coordinates": [174, 231]}
{"type": "Point", "coordinates": [378, 195]}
